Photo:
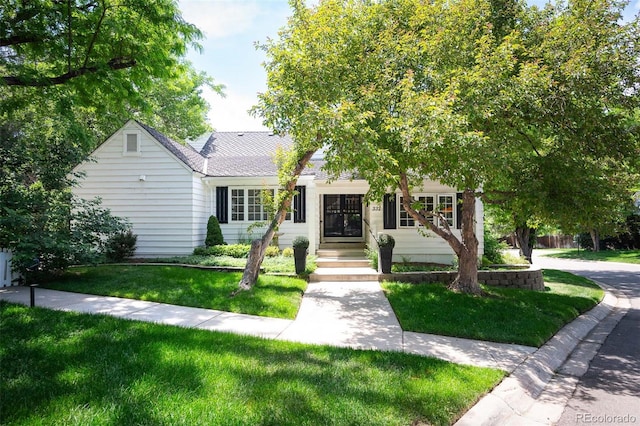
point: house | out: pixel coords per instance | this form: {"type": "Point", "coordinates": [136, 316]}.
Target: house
{"type": "Point", "coordinates": [168, 191]}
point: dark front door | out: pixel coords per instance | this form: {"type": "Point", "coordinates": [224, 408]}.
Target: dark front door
{"type": "Point", "coordinates": [343, 215]}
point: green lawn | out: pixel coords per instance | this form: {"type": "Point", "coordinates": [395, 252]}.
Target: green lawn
{"type": "Point", "coordinates": [506, 315]}
{"type": "Point", "coordinates": [280, 264]}
{"type": "Point", "coordinates": [62, 368]}
{"type": "Point", "coordinates": [624, 256]}
{"type": "Point", "coordinates": [273, 296]}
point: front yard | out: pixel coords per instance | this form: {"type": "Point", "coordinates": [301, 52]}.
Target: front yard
{"type": "Point", "coordinates": [623, 256]}
{"type": "Point", "coordinates": [62, 368]}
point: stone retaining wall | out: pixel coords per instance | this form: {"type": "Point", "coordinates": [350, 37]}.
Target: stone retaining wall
{"type": "Point", "coordinates": [529, 278]}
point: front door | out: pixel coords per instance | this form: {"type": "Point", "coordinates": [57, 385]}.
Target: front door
{"type": "Point", "coordinates": [343, 216]}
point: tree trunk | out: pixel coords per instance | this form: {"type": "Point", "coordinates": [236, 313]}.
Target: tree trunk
{"type": "Point", "coordinates": [524, 235]}
{"type": "Point", "coordinates": [259, 247]}
{"type": "Point", "coordinates": [466, 249]}
{"type": "Point", "coordinates": [467, 279]}
{"type": "Point", "coordinates": [595, 239]}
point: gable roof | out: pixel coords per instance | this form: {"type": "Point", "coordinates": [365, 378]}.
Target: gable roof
{"type": "Point", "coordinates": [237, 154]}
{"type": "Point", "coordinates": [185, 153]}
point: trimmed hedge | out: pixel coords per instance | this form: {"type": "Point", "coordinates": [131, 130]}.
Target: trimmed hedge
{"type": "Point", "coordinates": [232, 250]}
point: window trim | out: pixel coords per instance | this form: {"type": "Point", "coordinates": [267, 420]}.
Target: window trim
{"type": "Point", "coordinates": [436, 202]}
{"type": "Point", "coordinates": [125, 143]}
{"type": "Point", "coordinates": [245, 211]}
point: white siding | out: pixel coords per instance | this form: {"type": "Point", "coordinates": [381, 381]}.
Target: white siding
{"type": "Point", "coordinates": [201, 209]}
{"type": "Point", "coordinates": [153, 190]}
{"type": "Point", "coordinates": [413, 246]}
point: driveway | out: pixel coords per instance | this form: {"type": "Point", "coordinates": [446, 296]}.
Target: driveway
{"type": "Point", "coordinates": [609, 392]}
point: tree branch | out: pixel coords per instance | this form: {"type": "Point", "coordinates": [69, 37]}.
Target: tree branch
{"type": "Point", "coordinates": [114, 64]}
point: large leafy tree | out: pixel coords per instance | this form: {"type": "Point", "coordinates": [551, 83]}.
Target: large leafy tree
{"type": "Point", "coordinates": [71, 73]}
{"type": "Point", "coordinates": [493, 98]}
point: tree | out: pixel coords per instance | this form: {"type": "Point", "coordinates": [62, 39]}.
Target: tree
{"type": "Point", "coordinates": [73, 72]}
{"type": "Point", "coordinates": [489, 103]}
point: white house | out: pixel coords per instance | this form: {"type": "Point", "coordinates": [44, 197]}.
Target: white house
{"type": "Point", "coordinates": [168, 191]}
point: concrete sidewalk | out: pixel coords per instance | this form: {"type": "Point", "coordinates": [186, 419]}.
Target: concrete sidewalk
{"type": "Point", "coordinates": [358, 315]}
{"type": "Point", "coordinates": [344, 314]}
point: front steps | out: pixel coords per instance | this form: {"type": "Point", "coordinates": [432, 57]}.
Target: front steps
{"type": "Point", "coordinates": [342, 262]}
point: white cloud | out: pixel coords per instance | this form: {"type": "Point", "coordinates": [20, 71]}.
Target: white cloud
{"type": "Point", "coordinates": [231, 112]}
{"type": "Point", "coordinates": [220, 18]}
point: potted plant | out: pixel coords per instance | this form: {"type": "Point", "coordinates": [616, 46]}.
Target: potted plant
{"type": "Point", "coordinates": [385, 252]}
{"type": "Point", "coordinates": [300, 246]}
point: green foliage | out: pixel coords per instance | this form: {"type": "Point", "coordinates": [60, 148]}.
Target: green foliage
{"type": "Point", "coordinates": [386, 240]}
{"type": "Point", "coordinates": [214, 233]}
{"type": "Point", "coordinates": [300, 242]}
{"type": "Point", "coordinates": [287, 252]}
{"type": "Point", "coordinates": [272, 251]}
{"type": "Point", "coordinates": [232, 250]}
{"type": "Point", "coordinates": [121, 246]}
{"type": "Point", "coordinates": [372, 255]}
{"type": "Point", "coordinates": [493, 248]}
{"type": "Point", "coordinates": [52, 226]}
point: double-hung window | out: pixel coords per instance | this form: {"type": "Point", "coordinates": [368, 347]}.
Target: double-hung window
{"type": "Point", "coordinates": [423, 202]}
{"type": "Point", "coordinates": [257, 210]}
{"type": "Point", "coordinates": [237, 204]}
{"type": "Point", "coordinates": [444, 204]}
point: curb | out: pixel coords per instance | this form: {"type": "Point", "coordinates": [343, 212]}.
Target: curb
{"type": "Point", "coordinates": [549, 376]}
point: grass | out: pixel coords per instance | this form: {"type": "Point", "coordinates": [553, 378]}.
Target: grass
{"type": "Point", "coordinates": [275, 264]}
{"type": "Point", "coordinates": [505, 315]}
{"type": "Point", "coordinates": [62, 368]}
{"type": "Point", "coordinates": [273, 296]}
{"type": "Point", "coordinates": [623, 256]}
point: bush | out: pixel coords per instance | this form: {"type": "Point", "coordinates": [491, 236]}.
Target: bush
{"type": "Point", "coordinates": [492, 249]}
{"type": "Point", "coordinates": [214, 233]}
{"type": "Point", "coordinates": [372, 255]}
{"type": "Point", "coordinates": [121, 246]}
{"type": "Point", "coordinates": [272, 251]}
{"type": "Point", "coordinates": [300, 242]}
{"type": "Point", "coordinates": [231, 250]}
{"type": "Point", "coordinates": [386, 240]}
{"type": "Point", "coordinates": [287, 252]}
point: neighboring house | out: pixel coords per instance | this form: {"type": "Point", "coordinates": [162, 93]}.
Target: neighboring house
{"type": "Point", "coordinates": [168, 191]}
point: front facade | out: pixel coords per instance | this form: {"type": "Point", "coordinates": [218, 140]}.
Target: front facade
{"type": "Point", "coordinates": [168, 191]}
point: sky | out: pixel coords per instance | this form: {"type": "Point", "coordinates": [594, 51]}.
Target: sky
{"type": "Point", "coordinates": [231, 29]}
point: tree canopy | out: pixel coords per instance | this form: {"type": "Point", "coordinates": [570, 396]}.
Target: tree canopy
{"type": "Point", "coordinates": [495, 98]}
{"type": "Point", "coordinates": [71, 73]}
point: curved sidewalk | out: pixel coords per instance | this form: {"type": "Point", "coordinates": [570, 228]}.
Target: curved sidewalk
{"type": "Point", "coordinates": [345, 314]}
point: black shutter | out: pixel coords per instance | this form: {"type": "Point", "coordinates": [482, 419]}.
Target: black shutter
{"type": "Point", "coordinates": [389, 211]}
{"type": "Point", "coordinates": [222, 198]}
{"type": "Point", "coordinates": [459, 210]}
{"type": "Point", "coordinates": [300, 205]}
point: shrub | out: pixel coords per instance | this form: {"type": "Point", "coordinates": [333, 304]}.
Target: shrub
{"type": "Point", "coordinates": [372, 255]}
{"type": "Point", "coordinates": [231, 250]}
{"type": "Point", "coordinates": [386, 240]}
{"type": "Point", "coordinates": [214, 233]}
{"type": "Point", "coordinates": [287, 252]}
{"type": "Point", "coordinates": [121, 246]}
{"type": "Point", "coordinates": [272, 251]}
{"type": "Point", "coordinates": [300, 242]}
{"type": "Point", "coordinates": [492, 249]}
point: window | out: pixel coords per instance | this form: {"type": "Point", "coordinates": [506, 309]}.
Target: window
{"type": "Point", "coordinates": [256, 209]}
{"type": "Point", "coordinates": [425, 203]}
{"type": "Point", "coordinates": [131, 143]}
{"type": "Point", "coordinates": [445, 207]}
{"type": "Point", "coordinates": [237, 204]}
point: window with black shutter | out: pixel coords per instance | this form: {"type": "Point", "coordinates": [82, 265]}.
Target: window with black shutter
{"type": "Point", "coordinates": [222, 211]}
{"type": "Point", "coordinates": [300, 205]}
{"type": "Point", "coordinates": [389, 211]}
{"type": "Point", "coordinates": [459, 210]}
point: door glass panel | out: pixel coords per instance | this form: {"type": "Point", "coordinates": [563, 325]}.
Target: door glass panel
{"type": "Point", "coordinates": [343, 215]}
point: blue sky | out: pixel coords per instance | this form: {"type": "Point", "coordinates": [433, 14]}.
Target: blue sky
{"type": "Point", "coordinates": [231, 28]}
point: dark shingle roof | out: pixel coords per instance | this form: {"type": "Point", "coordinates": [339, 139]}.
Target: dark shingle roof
{"type": "Point", "coordinates": [237, 154]}
{"type": "Point", "coordinates": [185, 153]}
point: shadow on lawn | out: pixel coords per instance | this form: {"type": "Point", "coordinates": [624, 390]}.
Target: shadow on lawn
{"type": "Point", "coordinates": [69, 368]}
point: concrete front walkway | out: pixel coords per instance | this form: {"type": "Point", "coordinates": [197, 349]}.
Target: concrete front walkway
{"type": "Point", "coordinates": [345, 314]}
